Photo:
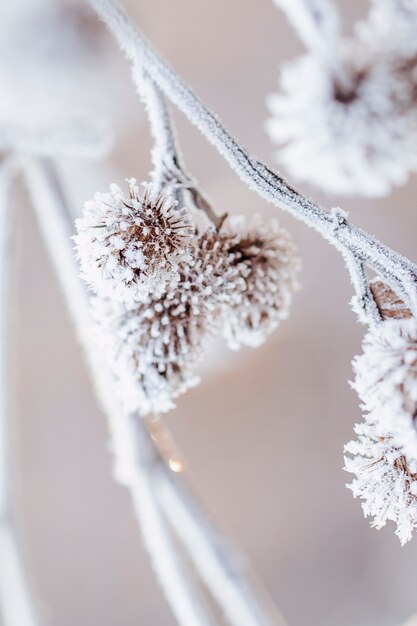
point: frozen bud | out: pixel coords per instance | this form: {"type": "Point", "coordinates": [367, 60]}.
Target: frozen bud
{"type": "Point", "coordinates": [386, 381]}
{"type": "Point", "coordinates": [384, 479]}
{"type": "Point", "coordinates": [267, 265]}
{"type": "Point", "coordinates": [130, 246]}
{"type": "Point", "coordinates": [349, 124]}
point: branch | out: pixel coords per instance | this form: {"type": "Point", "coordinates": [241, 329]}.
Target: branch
{"type": "Point", "coordinates": [315, 21]}
{"type": "Point", "coordinates": [17, 604]}
{"type": "Point", "coordinates": [396, 270]}
{"type": "Point", "coordinates": [221, 567]}
{"type": "Point", "coordinates": [131, 441]}
{"type": "Point", "coordinates": [132, 466]}
{"type": "Point", "coordinates": [169, 169]}
{"type": "Point", "coordinates": [80, 136]}
{"type": "Point", "coordinates": [363, 303]}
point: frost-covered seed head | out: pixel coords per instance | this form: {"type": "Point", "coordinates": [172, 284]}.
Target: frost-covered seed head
{"type": "Point", "coordinates": [268, 264]}
{"type": "Point", "coordinates": [131, 246]}
{"type": "Point", "coordinates": [386, 381]}
{"type": "Point", "coordinates": [155, 346]}
{"type": "Point", "coordinates": [384, 479]}
{"type": "Point", "coordinates": [354, 138]}
{"type": "Point", "coordinates": [234, 281]}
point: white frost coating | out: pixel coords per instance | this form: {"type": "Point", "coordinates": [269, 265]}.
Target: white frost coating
{"type": "Point", "coordinates": [134, 469]}
{"type": "Point", "coordinates": [79, 136]}
{"type": "Point", "coordinates": [316, 22]}
{"type": "Point", "coordinates": [152, 362]}
{"type": "Point", "coordinates": [267, 266]}
{"type": "Point", "coordinates": [237, 282]}
{"type": "Point", "coordinates": [384, 480]}
{"type": "Point", "coordinates": [130, 246]}
{"type": "Point", "coordinates": [351, 241]}
{"type": "Point", "coordinates": [386, 381]}
{"type": "Point", "coordinates": [356, 136]}
{"type": "Point", "coordinates": [218, 567]}
{"type": "Point", "coordinates": [17, 603]}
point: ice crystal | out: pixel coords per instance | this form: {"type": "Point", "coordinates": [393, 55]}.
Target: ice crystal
{"type": "Point", "coordinates": [384, 479]}
{"type": "Point", "coordinates": [267, 266]}
{"type": "Point", "coordinates": [386, 381]}
{"type": "Point", "coordinates": [349, 125]}
{"type": "Point", "coordinates": [129, 246]}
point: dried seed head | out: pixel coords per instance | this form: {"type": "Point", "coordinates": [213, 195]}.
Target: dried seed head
{"type": "Point", "coordinates": [267, 265]}
{"type": "Point", "coordinates": [384, 479]}
{"type": "Point", "coordinates": [386, 381]}
{"type": "Point", "coordinates": [238, 284]}
{"type": "Point", "coordinates": [131, 246]}
{"type": "Point", "coordinates": [354, 135]}
{"type": "Point", "coordinates": [155, 346]}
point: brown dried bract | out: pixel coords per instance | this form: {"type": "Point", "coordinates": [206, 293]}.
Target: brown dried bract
{"type": "Point", "coordinates": [389, 304]}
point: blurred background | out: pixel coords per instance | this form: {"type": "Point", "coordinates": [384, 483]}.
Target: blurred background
{"type": "Point", "coordinates": [264, 432]}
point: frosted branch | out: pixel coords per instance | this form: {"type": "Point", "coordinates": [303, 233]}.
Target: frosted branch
{"type": "Point", "coordinates": [315, 21]}
{"type": "Point", "coordinates": [223, 570]}
{"type": "Point", "coordinates": [169, 168]}
{"type": "Point", "coordinates": [363, 303]}
{"type": "Point", "coordinates": [396, 270]}
{"type": "Point", "coordinates": [79, 136]}
{"type": "Point", "coordinates": [17, 605]}
{"type": "Point", "coordinates": [138, 465]}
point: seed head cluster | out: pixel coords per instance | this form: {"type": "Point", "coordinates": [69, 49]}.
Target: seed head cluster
{"type": "Point", "coordinates": [236, 281]}
{"type": "Point", "coordinates": [384, 456]}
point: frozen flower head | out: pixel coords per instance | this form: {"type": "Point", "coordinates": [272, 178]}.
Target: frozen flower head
{"type": "Point", "coordinates": [386, 381]}
{"type": "Point", "coordinates": [351, 130]}
{"type": "Point", "coordinates": [130, 246]}
{"type": "Point", "coordinates": [267, 266]}
{"type": "Point", "coordinates": [234, 281]}
{"type": "Point", "coordinates": [384, 479]}
{"type": "Point", "coordinates": [155, 346]}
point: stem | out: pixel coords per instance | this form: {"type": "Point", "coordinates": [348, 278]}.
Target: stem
{"type": "Point", "coordinates": [220, 566]}
{"type": "Point", "coordinates": [17, 604]}
{"type": "Point", "coordinates": [169, 169]}
{"type": "Point", "coordinates": [165, 153]}
{"type": "Point", "coordinates": [80, 136]}
{"type": "Point", "coordinates": [315, 21]}
{"type": "Point", "coordinates": [396, 270]}
{"type": "Point", "coordinates": [132, 466]}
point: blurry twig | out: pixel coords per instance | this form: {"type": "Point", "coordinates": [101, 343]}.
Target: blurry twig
{"type": "Point", "coordinates": [17, 604]}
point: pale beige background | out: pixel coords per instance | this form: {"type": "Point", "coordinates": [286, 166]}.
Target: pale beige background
{"type": "Point", "coordinates": [264, 433]}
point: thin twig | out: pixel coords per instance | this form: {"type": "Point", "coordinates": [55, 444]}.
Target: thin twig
{"type": "Point", "coordinates": [315, 21]}
{"type": "Point", "coordinates": [317, 25]}
{"type": "Point", "coordinates": [169, 169]}
{"type": "Point", "coordinates": [221, 567]}
{"type": "Point", "coordinates": [17, 604]}
{"type": "Point", "coordinates": [396, 270]}
{"type": "Point", "coordinates": [132, 467]}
